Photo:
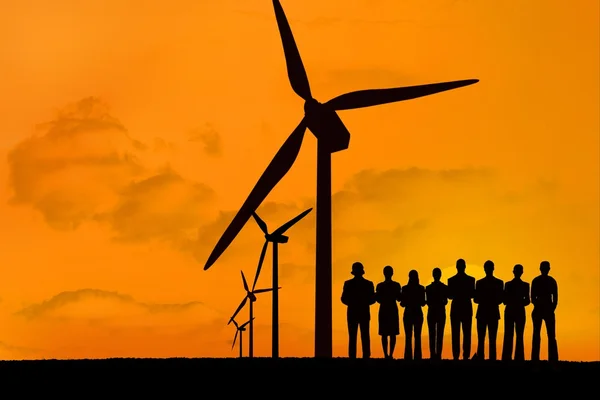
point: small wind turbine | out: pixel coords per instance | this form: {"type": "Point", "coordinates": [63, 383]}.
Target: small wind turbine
{"type": "Point", "coordinates": [277, 237]}
{"type": "Point", "coordinates": [239, 329]}
{"type": "Point", "coordinates": [250, 295]}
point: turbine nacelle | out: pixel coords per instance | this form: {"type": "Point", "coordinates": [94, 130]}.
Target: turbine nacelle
{"type": "Point", "coordinates": [326, 125]}
{"type": "Point", "coordinates": [279, 239]}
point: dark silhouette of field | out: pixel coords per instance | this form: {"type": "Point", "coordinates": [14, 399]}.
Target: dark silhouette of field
{"type": "Point", "coordinates": [201, 377]}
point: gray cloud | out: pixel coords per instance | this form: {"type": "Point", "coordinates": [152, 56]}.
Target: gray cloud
{"type": "Point", "coordinates": [64, 299]}
{"type": "Point", "coordinates": [210, 138]}
{"type": "Point", "coordinates": [18, 351]}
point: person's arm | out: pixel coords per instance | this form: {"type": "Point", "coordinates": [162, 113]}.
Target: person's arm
{"type": "Point", "coordinates": [423, 298]}
{"type": "Point", "coordinates": [403, 297]}
{"type": "Point", "coordinates": [378, 293]}
{"type": "Point", "coordinates": [472, 289]}
{"type": "Point", "coordinates": [372, 297]}
{"type": "Point", "coordinates": [534, 291]}
{"type": "Point", "coordinates": [505, 294]}
{"type": "Point", "coordinates": [399, 293]}
{"type": "Point", "coordinates": [500, 293]}
{"type": "Point", "coordinates": [445, 295]}
{"type": "Point", "coordinates": [345, 296]}
{"type": "Point", "coordinates": [475, 295]}
{"type": "Point", "coordinates": [526, 300]}
{"type": "Point", "coordinates": [555, 295]}
{"type": "Point", "coordinates": [450, 291]}
{"type": "Point", "coordinates": [427, 295]}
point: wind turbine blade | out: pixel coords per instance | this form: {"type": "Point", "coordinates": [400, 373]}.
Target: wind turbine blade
{"type": "Point", "coordinates": [295, 68]}
{"type": "Point", "coordinates": [374, 97]}
{"type": "Point", "coordinates": [235, 338]}
{"type": "Point", "coordinates": [261, 224]}
{"type": "Point", "coordinates": [235, 323]}
{"type": "Point", "coordinates": [279, 166]}
{"type": "Point", "coordinates": [242, 304]}
{"type": "Point", "coordinates": [281, 230]}
{"type": "Point", "coordinates": [246, 323]}
{"type": "Point", "coordinates": [263, 290]}
{"type": "Point", "coordinates": [244, 281]}
{"type": "Point", "coordinates": [263, 252]}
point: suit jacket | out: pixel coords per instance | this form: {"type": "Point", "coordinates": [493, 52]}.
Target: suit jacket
{"type": "Point", "coordinates": [489, 293]}
{"type": "Point", "coordinates": [461, 289]}
{"type": "Point", "coordinates": [358, 294]}
{"type": "Point", "coordinates": [516, 295]}
{"type": "Point", "coordinates": [437, 297]}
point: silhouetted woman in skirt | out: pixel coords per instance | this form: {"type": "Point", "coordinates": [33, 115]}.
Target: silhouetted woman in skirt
{"type": "Point", "coordinates": [388, 295]}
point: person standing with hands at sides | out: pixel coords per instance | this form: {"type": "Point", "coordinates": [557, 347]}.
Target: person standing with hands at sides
{"type": "Point", "coordinates": [544, 296]}
{"type": "Point", "coordinates": [436, 297]}
{"type": "Point", "coordinates": [516, 298]}
{"type": "Point", "coordinates": [413, 299]}
{"type": "Point", "coordinates": [388, 295]}
{"type": "Point", "coordinates": [488, 295]}
{"type": "Point", "coordinates": [461, 289]}
{"type": "Point", "coordinates": [358, 294]}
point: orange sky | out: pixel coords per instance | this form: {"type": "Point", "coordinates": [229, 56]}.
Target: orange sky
{"type": "Point", "coordinates": [179, 106]}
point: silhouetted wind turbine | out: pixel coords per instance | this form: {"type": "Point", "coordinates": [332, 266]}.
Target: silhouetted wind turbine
{"type": "Point", "coordinates": [332, 136]}
{"type": "Point", "coordinates": [277, 237]}
{"type": "Point", "coordinates": [239, 329]}
{"type": "Point", "coordinates": [250, 295]}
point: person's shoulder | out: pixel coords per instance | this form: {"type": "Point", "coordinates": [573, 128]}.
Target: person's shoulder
{"type": "Point", "coordinates": [397, 284]}
{"type": "Point", "coordinates": [498, 280]}
{"type": "Point", "coordinates": [429, 286]}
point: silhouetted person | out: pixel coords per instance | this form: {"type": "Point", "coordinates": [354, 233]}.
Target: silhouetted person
{"type": "Point", "coordinates": [388, 295]}
{"type": "Point", "coordinates": [516, 298]}
{"type": "Point", "coordinates": [544, 296]}
{"type": "Point", "coordinates": [358, 294]}
{"type": "Point", "coordinates": [413, 298]}
{"type": "Point", "coordinates": [489, 292]}
{"type": "Point", "coordinates": [461, 289]}
{"type": "Point", "coordinates": [436, 297]}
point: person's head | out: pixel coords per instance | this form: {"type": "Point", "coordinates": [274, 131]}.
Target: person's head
{"type": "Point", "coordinates": [388, 272]}
{"type": "Point", "coordinates": [461, 266]}
{"type": "Point", "coordinates": [488, 267]}
{"type": "Point", "coordinates": [518, 271]}
{"type": "Point", "coordinates": [437, 274]}
{"type": "Point", "coordinates": [545, 267]}
{"type": "Point", "coordinates": [413, 276]}
{"type": "Point", "coordinates": [358, 269]}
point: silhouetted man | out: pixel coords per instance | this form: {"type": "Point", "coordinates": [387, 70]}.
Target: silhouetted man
{"type": "Point", "coordinates": [488, 295]}
{"type": "Point", "coordinates": [436, 295]}
{"type": "Point", "coordinates": [461, 289]}
{"type": "Point", "coordinates": [388, 294]}
{"type": "Point", "coordinates": [516, 298]}
{"type": "Point", "coordinates": [413, 300]}
{"type": "Point", "coordinates": [544, 296]}
{"type": "Point", "coordinates": [358, 294]}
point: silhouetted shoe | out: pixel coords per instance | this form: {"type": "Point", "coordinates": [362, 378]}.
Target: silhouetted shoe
{"type": "Point", "coordinates": [477, 357]}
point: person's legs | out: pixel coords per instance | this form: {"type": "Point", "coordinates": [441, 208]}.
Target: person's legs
{"type": "Point", "coordinates": [392, 345]}
{"type": "Point", "coordinates": [455, 336]}
{"type": "Point", "coordinates": [418, 328]}
{"type": "Point", "coordinates": [365, 338]}
{"type": "Point", "coordinates": [384, 345]}
{"type": "Point", "coordinates": [550, 322]}
{"type": "Point", "coordinates": [467, 324]}
{"type": "Point", "coordinates": [352, 331]}
{"type": "Point", "coordinates": [481, 328]}
{"type": "Point", "coordinates": [519, 331]}
{"type": "Point", "coordinates": [507, 343]}
{"type": "Point", "coordinates": [431, 327]}
{"type": "Point", "coordinates": [493, 334]}
{"type": "Point", "coordinates": [439, 340]}
{"type": "Point", "coordinates": [408, 337]}
{"type": "Point", "coordinates": [537, 330]}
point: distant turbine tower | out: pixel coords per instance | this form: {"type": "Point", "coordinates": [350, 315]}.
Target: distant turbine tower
{"type": "Point", "coordinates": [332, 136]}
{"type": "Point", "coordinates": [239, 329]}
{"type": "Point", "coordinates": [250, 295]}
{"type": "Point", "coordinates": [276, 238]}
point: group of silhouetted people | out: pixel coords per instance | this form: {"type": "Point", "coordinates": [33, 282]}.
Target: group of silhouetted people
{"type": "Point", "coordinates": [462, 290]}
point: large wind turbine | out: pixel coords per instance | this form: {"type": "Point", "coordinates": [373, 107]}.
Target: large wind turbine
{"type": "Point", "coordinates": [332, 136]}
{"type": "Point", "coordinates": [250, 295]}
{"type": "Point", "coordinates": [277, 237]}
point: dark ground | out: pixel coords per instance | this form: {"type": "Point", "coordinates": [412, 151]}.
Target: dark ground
{"type": "Point", "coordinates": [290, 377]}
